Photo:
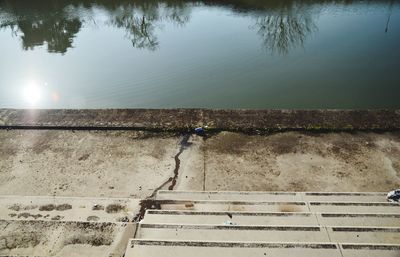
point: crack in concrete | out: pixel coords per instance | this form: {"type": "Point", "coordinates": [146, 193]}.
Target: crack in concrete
{"type": "Point", "coordinates": [149, 202]}
{"type": "Point", "coordinates": [183, 145]}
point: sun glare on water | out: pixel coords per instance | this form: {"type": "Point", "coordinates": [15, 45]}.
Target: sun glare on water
{"type": "Point", "coordinates": [32, 93]}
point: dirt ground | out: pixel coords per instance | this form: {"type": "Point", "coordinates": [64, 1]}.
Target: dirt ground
{"type": "Point", "coordinates": [134, 164]}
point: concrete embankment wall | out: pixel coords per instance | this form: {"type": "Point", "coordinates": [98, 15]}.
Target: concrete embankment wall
{"type": "Point", "coordinates": [216, 120]}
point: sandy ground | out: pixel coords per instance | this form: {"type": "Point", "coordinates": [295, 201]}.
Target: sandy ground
{"type": "Point", "coordinates": [134, 164]}
{"type": "Point", "coordinates": [61, 166]}
{"type": "Point", "coordinates": [67, 163]}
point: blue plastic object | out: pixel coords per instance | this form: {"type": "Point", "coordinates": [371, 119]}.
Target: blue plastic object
{"type": "Point", "coordinates": [199, 130]}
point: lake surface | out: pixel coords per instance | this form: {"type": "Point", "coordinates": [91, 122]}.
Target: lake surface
{"type": "Point", "coordinates": [206, 54]}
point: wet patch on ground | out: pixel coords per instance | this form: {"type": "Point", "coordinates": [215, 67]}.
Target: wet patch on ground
{"type": "Point", "coordinates": [46, 238]}
{"type": "Point", "coordinates": [93, 218]}
{"type": "Point", "coordinates": [51, 207]}
{"type": "Point", "coordinates": [114, 208]}
{"type": "Point", "coordinates": [28, 215]}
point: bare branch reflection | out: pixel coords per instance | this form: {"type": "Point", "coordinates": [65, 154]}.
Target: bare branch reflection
{"type": "Point", "coordinates": [285, 29]}
{"type": "Point", "coordinates": [140, 29]}
{"type": "Point", "coordinates": [141, 20]}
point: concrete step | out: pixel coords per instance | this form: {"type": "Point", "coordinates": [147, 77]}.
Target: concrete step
{"type": "Point", "coordinates": [67, 208]}
{"type": "Point", "coordinates": [373, 235]}
{"type": "Point", "coordinates": [265, 206]}
{"type": "Point", "coordinates": [240, 218]}
{"type": "Point", "coordinates": [228, 196]}
{"type": "Point", "coordinates": [271, 218]}
{"type": "Point", "coordinates": [233, 233]}
{"type": "Point", "coordinates": [199, 224]}
{"type": "Point", "coordinates": [370, 250]}
{"type": "Point", "coordinates": [218, 205]}
{"type": "Point", "coordinates": [170, 248]}
{"type": "Point", "coordinates": [273, 196]}
{"type": "Point", "coordinates": [272, 233]}
{"type": "Point", "coordinates": [359, 219]}
{"type": "Point", "coordinates": [355, 207]}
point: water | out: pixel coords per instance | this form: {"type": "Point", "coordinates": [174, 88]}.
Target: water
{"type": "Point", "coordinates": [207, 54]}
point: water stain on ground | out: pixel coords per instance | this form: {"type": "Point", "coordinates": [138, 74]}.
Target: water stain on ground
{"type": "Point", "coordinates": [114, 208]}
{"type": "Point", "coordinates": [92, 218]}
{"type": "Point", "coordinates": [28, 215]}
{"type": "Point", "coordinates": [63, 207]}
{"type": "Point", "coordinates": [30, 234]}
{"type": "Point", "coordinates": [18, 207]}
{"type": "Point", "coordinates": [51, 207]}
{"type": "Point", "coordinates": [47, 207]}
{"type": "Point", "coordinates": [57, 217]}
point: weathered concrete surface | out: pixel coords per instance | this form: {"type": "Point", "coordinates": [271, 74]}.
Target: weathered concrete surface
{"type": "Point", "coordinates": [134, 164]}
{"type": "Point", "coordinates": [82, 163]}
{"type": "Point", "coordinates": [219, 120]}
{"type": "Point", "coordinates": [294, 161]}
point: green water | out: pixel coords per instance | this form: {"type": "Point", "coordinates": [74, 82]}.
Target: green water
{"type": "Point", "coordinates": [207, 54]}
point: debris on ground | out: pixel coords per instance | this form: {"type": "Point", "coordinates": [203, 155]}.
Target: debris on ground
{"type": "Point", "coordinates": [229, 223]}
{"type": "Point", "coordinates": [394, 196]}
{"type": "Point", "coordinates": [200, 131]}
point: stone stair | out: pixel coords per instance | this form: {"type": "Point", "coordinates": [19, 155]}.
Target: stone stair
{"type": "Point", "coordinates": [204, 224]}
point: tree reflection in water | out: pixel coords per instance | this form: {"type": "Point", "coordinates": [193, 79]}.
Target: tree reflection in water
{"type": "Point", "coordinates": [140, 28]}
{"type": "Point", "coordinates": [281, 24]}
{"type": "Point", "coordinates": [38, 23]}
{"type": "Point", "coordinates": [285, 29]}
{"type": "Point", "coordinates": [141, 20]}
{"type": "Point", "coordinates": [56, 22]}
